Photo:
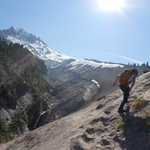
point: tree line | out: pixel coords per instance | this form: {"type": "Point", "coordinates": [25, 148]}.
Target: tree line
{"type": "Point", "coordinates": [13, 51]}
{"type": "Point", "coordinates": [138, 65]}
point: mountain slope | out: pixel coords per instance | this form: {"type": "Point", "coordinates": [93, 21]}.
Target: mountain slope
{"type": "Point", "coordinates": [97, 126]}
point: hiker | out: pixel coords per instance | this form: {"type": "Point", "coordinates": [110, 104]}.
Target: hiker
{"type": "Point", "coordinates": [126, 83]}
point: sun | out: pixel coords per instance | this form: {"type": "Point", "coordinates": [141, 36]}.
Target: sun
{"type": "Point", "coordinates": [111, 5]}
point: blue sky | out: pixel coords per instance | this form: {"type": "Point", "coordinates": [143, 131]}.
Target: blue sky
{"type": "Point", "coordinates": [83, 29]}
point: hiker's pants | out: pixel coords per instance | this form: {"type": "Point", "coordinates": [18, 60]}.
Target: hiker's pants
{"type": "Point", "coordinates": [125, 90]}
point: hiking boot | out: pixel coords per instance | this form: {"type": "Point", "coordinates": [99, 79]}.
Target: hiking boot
{"type": "Point", "coordinates": [127, 102]}
{"type": "Point", "coordinates": [121, 110]}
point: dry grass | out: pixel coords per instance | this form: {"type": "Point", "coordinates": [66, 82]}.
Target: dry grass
{"type": "Point", "coordinates": [138, 103]}
{"type": "Point", "coordinates": [121, 123]}
{"type": "Point", "coordinates": [139, 106]}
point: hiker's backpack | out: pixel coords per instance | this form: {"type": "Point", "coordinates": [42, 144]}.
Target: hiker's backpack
{"type": "Point", "coordinates": [124, 77]}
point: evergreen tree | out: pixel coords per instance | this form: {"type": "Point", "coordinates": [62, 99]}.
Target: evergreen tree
{"type": "Point", "coordinates": [147, 64]}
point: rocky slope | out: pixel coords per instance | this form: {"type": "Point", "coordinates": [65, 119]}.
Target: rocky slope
{"type": "Point", "coordinates": [98, 126]}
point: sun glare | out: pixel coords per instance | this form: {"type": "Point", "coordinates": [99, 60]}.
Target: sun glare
{"type": "Point", "coordinates": [111, 5]}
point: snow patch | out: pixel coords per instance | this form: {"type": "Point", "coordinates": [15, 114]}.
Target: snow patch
{"type": "Point", "coordinates": [83, 62]}
{"type": "Point", "coordinates": [95, 82]}
{"type": "Point", "coordinates": [91, 91]}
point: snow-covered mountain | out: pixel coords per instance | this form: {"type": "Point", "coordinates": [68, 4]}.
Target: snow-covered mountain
{"type": "Point", "coordinates": [41, 49]}
{"type": "Point", "coordinates": [34, 44]}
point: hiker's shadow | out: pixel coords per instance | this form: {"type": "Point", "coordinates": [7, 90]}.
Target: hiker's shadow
{"type": "Point", "coordinates": [135, 132]}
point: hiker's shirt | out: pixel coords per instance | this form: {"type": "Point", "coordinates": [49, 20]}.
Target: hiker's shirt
{"type": "Point", "coordinates": [131, 79]}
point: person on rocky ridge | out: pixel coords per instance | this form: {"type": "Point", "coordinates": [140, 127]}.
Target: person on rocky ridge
{"type": "Point", "coordinates": [126, 83]}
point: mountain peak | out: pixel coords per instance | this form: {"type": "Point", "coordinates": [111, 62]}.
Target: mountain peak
{"type": "Point", "coordinates": [33, 43]}
{"type": "Point", "coordinates": [15, 29]}
{"type": "Point", "coordinates": [19, 30]}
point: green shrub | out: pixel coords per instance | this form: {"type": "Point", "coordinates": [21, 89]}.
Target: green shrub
{"type": "Point", "coordinates": [121, 123]}
{"type": "Point", "coordinates": [148, 123]}
{"type": "Point", "coordinates": [1, 124]}
{"type": "Point", "coordinates": [5, 135]}
{"type": "Point", "coordinates": [18, 122]}
{"type": "Point", "coordinates": [6, 132]}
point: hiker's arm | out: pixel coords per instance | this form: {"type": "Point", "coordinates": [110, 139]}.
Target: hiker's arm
{"type": "Point", "coordinates": [132, 84]}
{"type": "Point", "coordinates": [117, 78]}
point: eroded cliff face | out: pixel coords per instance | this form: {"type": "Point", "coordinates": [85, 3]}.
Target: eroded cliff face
{"type": "Point", "coordinates": [25, 90]}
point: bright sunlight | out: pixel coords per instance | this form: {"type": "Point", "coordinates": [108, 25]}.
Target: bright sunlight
{"type": "Point", "coordinates": [111, 5]}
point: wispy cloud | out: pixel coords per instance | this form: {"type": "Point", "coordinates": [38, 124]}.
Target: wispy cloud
{"type": "Point", "coordinates": [126, 58]}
